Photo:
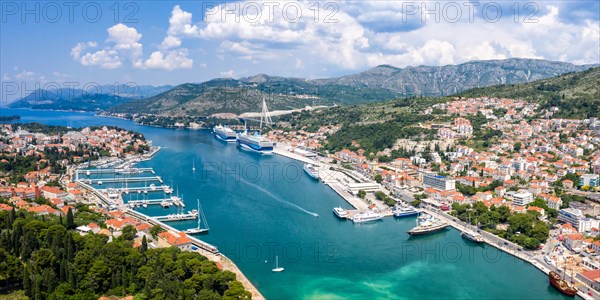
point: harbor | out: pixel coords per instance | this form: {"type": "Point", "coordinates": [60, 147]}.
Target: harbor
{"type": "Point", "coordinates": [261, 211]}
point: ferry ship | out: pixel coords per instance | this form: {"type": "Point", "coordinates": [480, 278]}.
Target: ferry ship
{"type": "Point", "coordinates": [255, 142]}
{"type": "Point", "coordinates": [225, 133]}
{"type": "Point", "coordinates": [472, 236]}
{"type": "Point", "coordinates": [366, 217]}
{"type": "Point", "coordinates": [340, 212]}
{"type": "Point", "coordinates": [312, 170]}
{"type": "Point", "coordinates": [405, 211]}
{"type": "Point", "coordinates": [429, 225]}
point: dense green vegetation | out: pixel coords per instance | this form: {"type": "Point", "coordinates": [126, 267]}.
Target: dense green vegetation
{"type": "Point", "coordinates": [524, 229]}
{"type": "Point", "coordinates": [49, 261]}
{"type": "Point", "coordinates": [374, 126]}
{"type": "Point", "coordinates": [577, 95]}
{"type": "Point", "coordinates": [239, 96]}
{"type": "Point", "coordinates": [470, 190]}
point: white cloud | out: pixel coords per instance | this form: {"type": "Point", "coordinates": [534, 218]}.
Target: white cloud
{"type": "Point", "coordinates": [171, 42]}
{"type": "Point", "coordinates": [358, 35]}
{"type": "Point", "coordinates": [108, 59]}
{"type": "Point", "coordinates": [353, 42]}
{"type": "Point", "coordinates": [123, 42]}
{"type": "Point", "coordinates": [26, 75]}
{"type": "Point", "coordinates": [180, 23]}
{"type": "Point", "coordinates": [5, 76]}
{"type": "Point", "coordinates": [125, 39]}
{"type": "Point", "coordinates": [228, 73]}
{"type": "Point", "coordinates": [171, 60]}
{"type": "Point", "coordinates": [60, 75]}
{"type": "Point", "coordinates": [80, 47]}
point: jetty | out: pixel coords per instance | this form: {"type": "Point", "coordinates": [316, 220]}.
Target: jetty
{"type": "Point", "coordinates": [176, 217]}
{"type": "Point", "coordinates": [163, 188]}
{"type": "Point", "coordinates": [163, 202]}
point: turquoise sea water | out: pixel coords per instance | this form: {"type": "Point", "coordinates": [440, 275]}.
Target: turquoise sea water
{"type": "Point", "coordinates": [261, 206]}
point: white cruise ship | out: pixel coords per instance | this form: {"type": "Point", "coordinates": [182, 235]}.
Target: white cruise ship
{"type": "Point", "coordinates": [225, 133]}
{"type": "Point", "coordinates": [255, 142]}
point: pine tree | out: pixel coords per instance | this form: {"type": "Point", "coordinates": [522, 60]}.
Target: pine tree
{"type": "Point", "coordinates": [27, 283]}
{"type": "Point", "coordinates": [12, 216]}
{"type": "Point", "coordinates": [70, 220]}
{"type": "Point", "coordinates": [63, 271]}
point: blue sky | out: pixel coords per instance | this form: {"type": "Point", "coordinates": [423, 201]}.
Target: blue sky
{"type": "Point", "coordinates": [172, 42]}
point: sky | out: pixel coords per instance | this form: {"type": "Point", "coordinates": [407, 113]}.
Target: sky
{"type": "Point", "coordinates": [172, 42]}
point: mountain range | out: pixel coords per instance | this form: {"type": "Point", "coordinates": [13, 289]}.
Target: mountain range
{"type": "Point", "coordinates": [381, 83]}
{"type": "Point", "coordinates": [93, 98]}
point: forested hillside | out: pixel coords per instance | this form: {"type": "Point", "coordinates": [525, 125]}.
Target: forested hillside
{"type": "Point", "coordinates": [47, 259]}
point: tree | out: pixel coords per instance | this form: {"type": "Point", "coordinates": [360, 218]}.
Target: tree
{"type": "Point", "coordinates": [128, 233]}
{"type": "Point", "coordinates": [144, 246]}
{"type": "Point", "coordinates": [362, 194]}
{"type": "Point", "coordinates": [70, 219]}
{"type": "Point", "coordinates": [155, 230]}
{"type": "Point", "coordinates": [378, 178]}
{"type": "Point", "coordinates": [517, 146]}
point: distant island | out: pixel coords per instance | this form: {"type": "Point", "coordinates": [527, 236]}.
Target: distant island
{"type": "Point", "coordinates": [9, 118]}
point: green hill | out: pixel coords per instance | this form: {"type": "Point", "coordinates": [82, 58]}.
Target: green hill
{"type": "Point", "coordinates": [576, 95]}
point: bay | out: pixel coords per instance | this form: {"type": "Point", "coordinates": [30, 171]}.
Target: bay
{"type": "Point", "coordinates": [260, 206]}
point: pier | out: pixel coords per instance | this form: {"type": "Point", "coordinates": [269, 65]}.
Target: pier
{"type": "Point", "coordinates": [332, 178]}
{"type": "Point", "coordinates": [144, 189]}
{"type": "Point", "coordinates": [125, 180]}
{"type": "Point", "coordinates": [176, 217]}
{"type": "Point", "coordinates": [116, 171]}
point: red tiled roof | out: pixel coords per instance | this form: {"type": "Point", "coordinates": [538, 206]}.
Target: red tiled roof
{"type": "Point", "coordinates": [175, 239]}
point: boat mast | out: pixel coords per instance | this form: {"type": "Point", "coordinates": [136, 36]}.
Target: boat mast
{"type": "Point", "coordinates": [199, 220]}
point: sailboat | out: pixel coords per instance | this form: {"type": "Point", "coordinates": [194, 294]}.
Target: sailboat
{"type": "Point", "coordinates": [201, 217]}
{"type": "Point", "coordinates": [277, 267]}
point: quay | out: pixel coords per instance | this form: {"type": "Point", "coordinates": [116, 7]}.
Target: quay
{"type": "Point", "coordinates": [507, 247]}
{"type": "Point", "coordinates": [331, 178]}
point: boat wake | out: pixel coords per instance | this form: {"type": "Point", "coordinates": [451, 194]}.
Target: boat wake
{"type": "Point", "coordinates": [314, 214]}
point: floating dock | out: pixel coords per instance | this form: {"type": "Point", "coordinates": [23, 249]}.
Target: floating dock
{"type": "Point", "coordinates": [173, 201]}
{"type": "Point", "coordinates": [143, 189]}
{"type": "Point", "coordinates": [176, 217]}
{"type": "Point", "coordinates": [124, 180]}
